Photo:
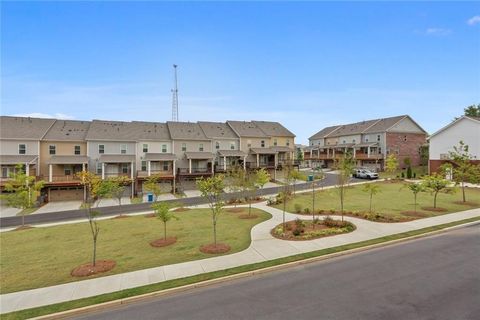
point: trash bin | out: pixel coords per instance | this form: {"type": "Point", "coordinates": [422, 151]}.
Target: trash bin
{"type": "Point", "coordinates": [310, 177]}
{"type": "Point", "coordinates": [150, 197]}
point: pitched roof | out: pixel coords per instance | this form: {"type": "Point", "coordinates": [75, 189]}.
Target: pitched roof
{"type": "Point", "coordinates": [217, 130]}
{"type": "Point", "coordinates": [199, 155]}
{"type": "Point", "coordinates": [477, 119]}
{"type": "Point", "coordinates": [246, 129]}
{"type": "Point", "coordinates": [116, 158]}
{"type": "Point", "coordinates": [231, 153]}
{"type": "Point", "coordinates": [353, 128]}
{"type": "Point", "coordinates": [273, 129]}
{"type": "Point", "coordinates": [186, 131]}
{"type": "Point", "coordinates": [68, 159]}
{"type": "Point", "coordinates": [111, 130]}
{"type": "Point", "coordinates": [16, 159]}
{"type": "Point", "coordinates": [68, 130]}
{"type": "Point", "coordinates": [24, 128]}
{"type": "Point", "coordinates": [384, 124]}
{"type": "Point", "coordinates": [159, 157]}
{"type": "Point", "coordinates": [323, 133]}
{"type": "Point", "coordinates": [150, 130]}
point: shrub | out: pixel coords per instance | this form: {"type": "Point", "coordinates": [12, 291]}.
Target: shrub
{"type": "Point", "coordinates": [414, 175]}
{"type": "Point", "coordinates": [316, 220]}
{"type": "Point", "coordinates": [298, 208]}
{"type": "Point", "coordinates": [332, 211]}
{"type": "Point", "coordinates": [403, 175]}
{"type": "Point", "coordinates": [299, 224]}
{"type": "Point", "coordinates": [321, 211]}
{"type": "Point", "coordinates": [306, 210]}
{"type": "Point", "coordinates": [409, 172]}
{"type": "Point", "coordinates": [296, 232]}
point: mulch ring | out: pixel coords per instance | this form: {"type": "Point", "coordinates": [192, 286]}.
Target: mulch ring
{"type": "Point", "coordinates": [235, 210]}
{"type": "Point", "coordinates": [308, 228]}
{"type": "Point", "coordinates": [26, 227]}
{"type": "Point", "coordinates": [467, 203]}
{"type": "Point", "coordinates": [163, 242]}
{"type": "Point", "coordinates": [88, 269]}
{"type": "Point", "coordinates": [121, 216]}
{"type": "Point", "coordinates": [414, 214]}
{"type": "Point", "coordinates": [212, 248]}
{"type": "Point", "coordinates": [181, 209]}
{"type": "Point", "coordinates": [247, 216]}
{"type": "Point", "coordinates": [434, 209]}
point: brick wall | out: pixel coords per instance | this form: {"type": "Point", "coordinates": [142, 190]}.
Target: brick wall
{"type": "Point", "coordinates": [407, 145]}
{"type": "Point", "coordinates": [434, 165]}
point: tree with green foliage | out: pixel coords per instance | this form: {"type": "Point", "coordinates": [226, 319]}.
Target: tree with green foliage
{"type": "Point", "coordinates": [262, 177]}
{"type": "Point", "coordinates": [285, 194]}
{"type": "Point", "coordinates": [435, 183]}
{"type": "Point", "coordinates": [317, 175]}
{"type": "Point", "coordinates": [93, 188]}
{"type": "Point", "coordinates": [118, 186]}
{"type": "Point", "coordinates": [415, 188]}
{"type": "Point", "coordinates": [300, 154]}
{"type": "Point", "coordinates": [211, 189]}
{"type": "Point", "coordinates": [372, 189]}
{"type": "Point", "coordinates": [463, 170]}
{"type": "Point", "coordinates": [163, 212]}
{"type": "Point", "coordinates": [235, 180]}
{"type": "Point", "coordinates": [472, 111]}
{"type": "Point", "coordinates": [391, 164]}
{"type": "Point", "coordinates": [345, 167]}
{"type": "Point", "coordinates": [22, 191]}
{"type": "Point", "coordinates": [296, 175]}
{"type": "Point", "coordinates": [153, 185]}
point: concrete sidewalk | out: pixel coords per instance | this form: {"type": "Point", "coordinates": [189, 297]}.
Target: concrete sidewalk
{"type": "Point", "coordinates": [262, 248]}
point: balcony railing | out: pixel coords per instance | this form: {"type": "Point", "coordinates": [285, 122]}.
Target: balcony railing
{"type": "Point", "coordinates": [194, 171]}
{"type": "Point", "coordinates": [116, 174]}
{"type": "Point", "coordinates": [358, 155]}
{"type": "Point", "coordinates": [162, 173]}
{"type": "Point", "coordinates": [253, 165]}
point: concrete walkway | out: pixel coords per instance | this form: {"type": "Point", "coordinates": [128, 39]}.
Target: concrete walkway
{"type": "Point", "coordinates": [262, 248]}
{"type": "Point", "coordinates": [55, 206]}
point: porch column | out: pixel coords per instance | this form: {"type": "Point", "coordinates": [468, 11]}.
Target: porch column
{"type": "Point", "coordinates": [245, 163]}
{"type": "Point", "coordinates": [258, 160]}
{"type": "Point", "coordinates": [354, 152]}
{"type": "Point", "coordinates": [328, 153]}
{"type": "Point", "coordinates": [174, 175]}
{"type": "Point", "coordinates": [50, 173]}
{"type": "Point", "coordinates": [149, 168]}
{"type": "Point", "coordinates": [131, 174]}
{"type": "Point", "coordinates": [333, 153]}
{"type": "Point", "coordinates": [189, 165]}
{"type": "Point", "coordinates": [213, 166]}
{"type": "Point", "coordinates": [27, 169]}
{"type": "Point", "coordinates": [275, 160]}
{"type": "Point", "coordinates": [224, 163]}
{"type": "Point", "coordinates": [368, 151]}
{"type": "Point", "coordinates": [83, 166]}
{"type": "Point", "coordinates": [103, 170]}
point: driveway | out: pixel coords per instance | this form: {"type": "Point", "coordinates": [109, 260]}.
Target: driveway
{"type": "Point", "coordinates": [112, 202]}
{"type": "Point", "coordinates": [8, 212]}
{"type": "Point", "coordinates": [59, 206]}
{"type": "Point", "coordinates": [192, 193]}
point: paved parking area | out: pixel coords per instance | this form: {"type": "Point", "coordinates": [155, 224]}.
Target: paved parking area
{"type": "Point", "coordinates": [8, 212]}
{"type": "Point", "coordinates": [112, 202]}
{"type": "Point", "coordinates": [59, 206]}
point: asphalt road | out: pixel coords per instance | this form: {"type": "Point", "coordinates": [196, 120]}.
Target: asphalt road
{"type": "Point", "coordinates": [431, 278]}
{"type": "Point", "coordinates": [330, 179]}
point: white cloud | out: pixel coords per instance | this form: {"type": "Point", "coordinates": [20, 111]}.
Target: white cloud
{"type": "Point", "coordinates": [61, 116]}
{"type": "Point", "coordinates": [437, 32]}
{"type": "Point", "coordinates": [473, 20]}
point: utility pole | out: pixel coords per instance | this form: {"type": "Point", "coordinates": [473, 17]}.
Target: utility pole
{"type": "Point", "coordinates": [175, 96]}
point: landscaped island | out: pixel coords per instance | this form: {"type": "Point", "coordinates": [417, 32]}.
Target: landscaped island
{"type": "Point", "coordinates": [394, 202]}
{"type": "Point", "coordinates": [41, 257]}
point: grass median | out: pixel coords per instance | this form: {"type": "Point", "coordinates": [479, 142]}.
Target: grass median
{"type": "Point", "coordinates": [35, 312]}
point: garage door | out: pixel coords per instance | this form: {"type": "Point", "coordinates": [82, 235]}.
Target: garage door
{"type": "Point", "coordinates": [66, 194]}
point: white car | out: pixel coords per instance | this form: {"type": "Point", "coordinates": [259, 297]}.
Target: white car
{"type": "Point", "coordinates": [365, 174]}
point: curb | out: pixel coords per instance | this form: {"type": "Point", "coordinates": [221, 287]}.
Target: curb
{"type": "Point", "coordinates": [206, 283]}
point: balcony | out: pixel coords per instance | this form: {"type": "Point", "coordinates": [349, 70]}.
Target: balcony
{"type": "Point", "coordinates": [117, 174]}
{"type": "Point", "coordinates": [365, 156]}
{"type": "Point", "coordinates": [158, 173]}
{"type": "Point", "coordinates": [195, 171]}
{"type": "Point", "coordinates": [268, 165]}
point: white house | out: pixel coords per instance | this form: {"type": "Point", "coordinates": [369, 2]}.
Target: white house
{"type": "Point", "coordinates": [466, 129]}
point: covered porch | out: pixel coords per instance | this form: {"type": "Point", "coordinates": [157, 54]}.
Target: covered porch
{"type": "Point", "coordinates": [116, 165]}
{"type": "Point", "coordinates": [263, 158]}
{"type": "Point", "coordinates": [63, 169]}
{"type": "Point", "coordinates": [9, 163]}
{"type": "Point", "coordinates": [158, 164]}
{"type": "Point", "coordinates": [199, 163]}
{"type": "Point", "coordinates": [228, 159]}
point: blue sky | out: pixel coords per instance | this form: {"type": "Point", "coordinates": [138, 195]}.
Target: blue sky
{"type": "Point", "coordinates": [307, 65]}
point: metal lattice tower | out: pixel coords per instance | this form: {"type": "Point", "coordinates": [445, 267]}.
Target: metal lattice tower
{"type": "Point", "coordinates": [175, 96]}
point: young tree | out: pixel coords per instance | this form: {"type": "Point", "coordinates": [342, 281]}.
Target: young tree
{"type": "Point", "coordinates": [263, 177]}
{"type": "Point", "coordinates": [345, 167]}
{"type": "Point", "coordinates": [299, 155]}
{"type": "Point", "coordinates": [235, 180]}
{"type": "Point", "coordinates": [372, 189]}
{"type": "Point", "coordinates": [22, 191]}
{"type": "Point", "coordinates": [416, 188]}
{"type": "Point", "coordinates": [391, 164]}
{"type": "Point", "coordinates": [118, 187]}
{"type": "Point", "coordinates": [153, 185]}
{"type": "Point", "coordinates": [285, 194]}
{"type": "Point", "coordinates": [92, 184]}
{"type": "Point", "coordinates": [463, 171]}
{"type": "Point", "coordinates": [435, 184]}
{"type": "Point", "coordinates": [295, 175]}
{"type": "Point", "coordinates": [211, 189]}
{"type": "Point", "coordinates": [320, 175]}
{"type": "Point", "coordinates": [162, 211]}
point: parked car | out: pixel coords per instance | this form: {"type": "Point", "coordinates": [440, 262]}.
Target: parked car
{"type": "Point", "coordinates": [364, 174]}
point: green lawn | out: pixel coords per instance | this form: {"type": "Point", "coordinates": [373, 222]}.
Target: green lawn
{"type": "Point", "coordinates": [41, 257]}
{"type": "Point", "coordinates": [390, 202]}
{"type": "Point", "coordinates": [419, 171]}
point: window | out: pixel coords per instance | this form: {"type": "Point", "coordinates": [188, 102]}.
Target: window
{"type": "Point", "coordinates": [144, 165]}
{"type": "Point", "coordinates": [76, 150]}
{"type": "Point", "coordinates": [164, 148]}
{"type": "Point", "coordinates": [165, 165]}
{"type": "Point", "coordinates": [22, 149]}
{"type": "Point", "coordinates": [274, 142]}
{"type": "Point", "coordinates": [405, 138]}
{"type": "Point", "coordinates": [353, 141]}
{"type": "Point", "coordinates": [200, 147]}
{"type": "Point", "coordinates": [288, 142]}
{"type": "Point", "coordinates": [344, 141]}
{"type": "Point", "coordinates": [378, 137]}
{"type": "Point", "coordinates": [5, 172]}
{"type": "Point", "coordinates": [366, 139]}
{"type": "Point", "coordinates": [262, 143]}
{"type": "Point", "coordinates": [101, 148]}
{"type": "Point", "coordinates": [217, 145]}
{"type": "Point", "coordinates": [124, 167]}
{"type": "Point", "coordinates": [123, 149]}
{"type": "Point", "coordinates": [52, 149]}
{"type": "Point", "coordinates": [145, 147]}
{"type": "Point", "coordinates": [249, 143]}
{"type": "Point", "coordinates": [232, 145]}
{"type": "Point", "coordinates": [184, 147]}
{"type": "Point", "coordinates": [379, 150]}
{"type": "Point", "coordinates": [99, 168]}
{"type": "Point", "coordinates": [67, 170]}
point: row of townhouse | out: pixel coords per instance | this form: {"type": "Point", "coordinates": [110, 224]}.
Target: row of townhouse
{"type": "Point", "coordinates": [178, 152]}
{"type": "Point", "coordinates": [369, 142]}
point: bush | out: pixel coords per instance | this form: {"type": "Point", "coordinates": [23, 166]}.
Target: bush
{"type": "Point", "coordinates": [298, 208]}
{"type": "Point", "coordinates": [316, 220]}
{"type": "Point", "coordinates": [409, 172]}
{"type": "Point", "coordinates": [403, 175]}
{"type": "Point", "coordinates": [296, 232]}
{"type": "Point", "coordinates": [414, 175]}
{"type": "Point", "coordinates": [299, 224]}
{"type": "Point", "coordinates": [306, 210]}
{"type": "Point", "coordinates": [332, 211]}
